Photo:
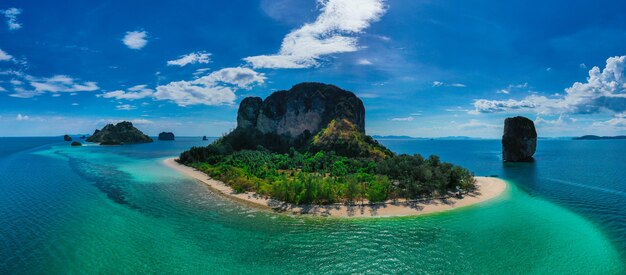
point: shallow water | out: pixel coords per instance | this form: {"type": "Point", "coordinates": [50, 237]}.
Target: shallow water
{"type": "Point", "coordinates": [119, 210]}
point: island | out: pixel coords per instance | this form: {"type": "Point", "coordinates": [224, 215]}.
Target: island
{"type": "Point", "coordinates": [76, 143]}
{"type": "Point", "coordinates": [204, 138]}
{"type": "Point", "coordinates": [519, 140]}
{"type": "Point", "coordinates": [67, 138]}
{"type": "Point", "coordinates": [166, 136]}
{"type": "Point", "coordinates": [594, 137]}
{"type": "Point", "coordinates": [119, 134]}
{"type": "Point", "coordinates": [305, 151]}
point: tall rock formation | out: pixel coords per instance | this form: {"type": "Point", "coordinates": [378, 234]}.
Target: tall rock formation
{"type": "Point", "coordinates": [305, 107]}
{"type": "Point", "coordinates": [309, 116]}
{"type": "Point", "coordinates": [519, 141]}
{"type": "Point", "coordinates": [121, 133]}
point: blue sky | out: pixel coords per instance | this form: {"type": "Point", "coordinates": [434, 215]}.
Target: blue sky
{"type": "Point", "coordinates": [422, 68]}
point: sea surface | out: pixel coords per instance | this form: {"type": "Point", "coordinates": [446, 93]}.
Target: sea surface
{"type": "Point", "coordinates": [119, 210]}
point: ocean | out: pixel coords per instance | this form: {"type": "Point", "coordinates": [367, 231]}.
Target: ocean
{"type": "Point", "coordinates": [119, 210]}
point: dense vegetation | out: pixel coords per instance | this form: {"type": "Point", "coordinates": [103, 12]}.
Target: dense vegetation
{"type": "Point", "coordinates": [326, 177]}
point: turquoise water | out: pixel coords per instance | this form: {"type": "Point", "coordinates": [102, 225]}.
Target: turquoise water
{"type": "Point", "coordinates": [116, 210]}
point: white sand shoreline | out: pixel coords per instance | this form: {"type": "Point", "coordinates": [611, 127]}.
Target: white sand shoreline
{"type": "Point", "coordinates": [488, 188]}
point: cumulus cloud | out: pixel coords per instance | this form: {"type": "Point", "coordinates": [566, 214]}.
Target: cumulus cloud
{"type": "Point", "coordinates": [11, 17]}
{"type": "Point", "coordinates": [185, 93]}
{"type": "Point", "coordinates": [60, 84]}
{"type": "Point", "coordinates": [618, 121]}
{"type": "Point", "coordinates": [135, 39]}
{"type": "Point", "coordinates": [216, 88]}
{"type": "Point", "coordinates": [133, 93]}
{"type": "Point", "coordinates": [604, 90]}
{"type": "Point", "coordinates": [5, 56]}
{"type": "Point", "coordinates": [21, 117]}
{"type": "Point", "coordinates": [238, 76]}
{"type": "Point", "coordinates": [55, 85]}
{"type": "Point", "coordinates": [192, 58]}
{"type": "Point", "coordinates": [332, 32]}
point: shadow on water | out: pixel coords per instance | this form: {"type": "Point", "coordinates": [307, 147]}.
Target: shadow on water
{"type": "Point", "coordinates": [524, 174]}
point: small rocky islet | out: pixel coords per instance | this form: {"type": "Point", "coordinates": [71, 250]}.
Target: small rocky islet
{"type": "Point", "coordinates": [119, 134]}
{"type": "Point", "coordinates": [166, 136]}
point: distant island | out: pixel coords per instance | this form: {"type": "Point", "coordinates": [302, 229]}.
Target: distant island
{"type": "Point", "coordinates": [424, 138]}
{"type": "Point", "coordinates": [166, 136]}
{"type": "Point", "coordinates": [119, 134]}
{"type": "Point", "coordinates": [307, 146]}
{"type": "Point", "coordinates": [593, 137]}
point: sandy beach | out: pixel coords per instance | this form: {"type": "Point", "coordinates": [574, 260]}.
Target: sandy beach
{"type": "Point", "coordinates": [488, 188]}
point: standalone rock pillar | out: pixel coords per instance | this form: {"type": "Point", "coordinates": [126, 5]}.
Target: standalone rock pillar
{"type": "Point", "coordinates": [519, 140]}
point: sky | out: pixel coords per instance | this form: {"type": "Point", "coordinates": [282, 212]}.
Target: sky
{"type": "Point", "coordinates": [422, 68]}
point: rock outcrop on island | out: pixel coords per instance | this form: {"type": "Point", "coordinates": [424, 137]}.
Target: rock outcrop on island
{"type": "Point", "coordinates": [67, 138]}
{"type": "Point", "coordinates": [121, 133]}
{"type": "Point", "coordinates": [166, 136]}
{"type": "Point", "coordinates": [76, 143]}
{"type": "Point", "coordinates": [309, 116]}
{"type": "Point", "coordinates": [519, 141]}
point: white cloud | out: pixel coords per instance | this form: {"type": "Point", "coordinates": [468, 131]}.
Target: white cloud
{"type": "Point", "coordinates": [216, 88]}
{"type": "Point", "coordinates": [239, 76]}
{"type": "Point", "coordinates": [21, 117]}
{"type": "Point", "coordinates": [125, 107]}
{"type": "Point", "coordinates": [618, 120]}
{"type": "Point", "coordinates": [192, 58]}
{"type": "Point", "coordinates": [75, 104]}
{"type": "Point", "coordinates": [332, 32]}
{"type": "Point", "coordinates": [561, 120]}
{"type": "Point", "coordinates": [582, 66]}
{"type": "Point", "coordinates": [185, 93]}
{"type": "Point", "coordinates": [511, 87]}
{"type": "Point", "coordinates": [364, 61]}
{"type": "Point", "coordinates": [60, 84]}
{"type": "Point", "coordinates": [604, 90]}
{"type": "Point", "coordinates": [473, 123]}
{"type": "Point", "coordinates": [133, 93]}
{"type": "Point", "coordinates": [201, 71]}
{"type": "Point", "coordinates": [5, 56]}
{"type": "Point", "coordinates": [503, 91]}
{"type": "Point", "coordinates": [409, 118]}
{"type": "Point", "coordinates": [11, 16]}
{"type": "Point", "coordinates": [135, 39]}
{"type": "Point", "coordinates": [440, 84]}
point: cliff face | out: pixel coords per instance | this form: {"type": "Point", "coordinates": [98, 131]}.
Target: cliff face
{"type": "Point", "coordinates": [121, 133]}
{"type": "Point", "coordinates": [309, 116]}
{"type": "Point", "coordinates": [305, 107]}
{"type": "Point", "coordinates": [519, 141]}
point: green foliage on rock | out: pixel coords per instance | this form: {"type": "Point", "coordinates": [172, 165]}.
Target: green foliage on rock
{"type": "Point", "coordinates": [325, 177]}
